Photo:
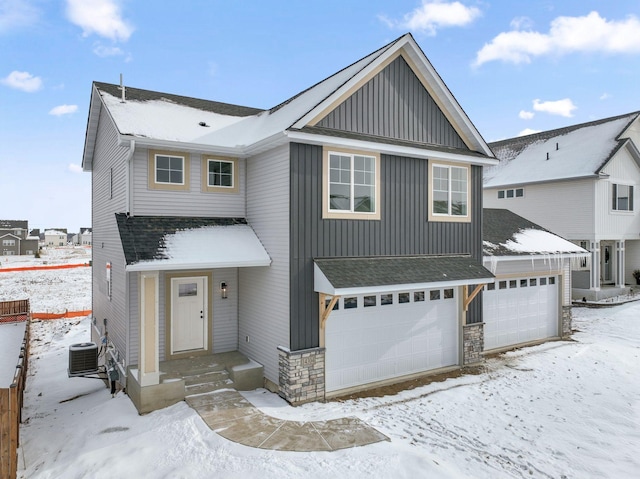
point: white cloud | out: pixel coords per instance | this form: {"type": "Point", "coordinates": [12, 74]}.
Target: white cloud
{"type": "Point", "coordinates": [103, 51]}
{"type": "Point", "coordinates": [74, 168]}
{"type": "Point", "coordinates": [102, 17]}
{"type": "Point", "coordinates": [435, 14]}
{"type": "Point", "coordinates": [590, 33]}
{"type": "Point", "coordinates": [528, 131]}
{"type": "Point", "coordinates": [526, 115]}
{"type": "Point", "coordinates": [22, 81]}
{"type": "Point", "coordinates": [605, 96]}
{"type": "Point", "coordinates": [562, 107]}
{"type": "Point", "coordinates": [63, 110]}
{"type": "Point", "coordinates": [521, 23]}
{"type": "Point", "coordinates": [16, 14]}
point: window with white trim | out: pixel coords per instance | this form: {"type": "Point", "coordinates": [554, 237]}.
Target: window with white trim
{"type": "Point", "coordinates": [169, 170]}
{"type": "Point", "coordinates": [511, 193]}
{"type": "Point", "coordinates": [450, 190]}
{"type": "Point", "coordinates": [220, 173]}
{"type": "Point", "coordinates": [8, 242]}
{"type": "Point", "coordinates": [350, 184]}
{"type": "Point", "coordinates": [622, 197]}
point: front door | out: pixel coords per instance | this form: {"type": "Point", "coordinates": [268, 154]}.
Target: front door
{"type": "Point", "coordinates": [188, 314]}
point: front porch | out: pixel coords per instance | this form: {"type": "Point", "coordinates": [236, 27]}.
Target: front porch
{"type": "Point", "coordinates": [180, 378]}
{"type": "Point", "coordinates": [605, 292]}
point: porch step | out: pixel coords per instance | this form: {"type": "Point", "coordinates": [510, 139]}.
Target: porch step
{"type": "Point", "coordinates": [206, 377]}
{"type": "Point", "coordinates": [207, 382]}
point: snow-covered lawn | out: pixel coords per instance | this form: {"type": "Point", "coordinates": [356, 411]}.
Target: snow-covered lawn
{"type": "Point", "coordinates": [563, 409]}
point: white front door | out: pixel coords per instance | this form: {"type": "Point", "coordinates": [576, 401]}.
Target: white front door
{"type": "Point", "coordinates": [188, 314]}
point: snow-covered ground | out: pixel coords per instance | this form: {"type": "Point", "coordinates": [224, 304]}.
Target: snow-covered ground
{"type": "Point", "coordinates": [563, 409]}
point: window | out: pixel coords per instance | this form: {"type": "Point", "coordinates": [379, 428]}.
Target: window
{"type": "Point", "coordinates": [187, 289]}
{"type": "Point", "coordinates": [513, 283]}
{"type": "Point", "coordinates": [418, 296]}
{"type": "Point", "coordinates": [448, 293]}
{"type": "Point", "coordinates": [369, 301]}
{"type": "Point", "coordinates": [449, 192]}
{"type": "Point", "coordinates": [168, 170]}
{"type": "Point", "coordinates": [8, 242]}
{"type": "Point", "coordinates": [434, 295]}
{"type": "Point", "coordinates": [386, 299]}
{"type": "Point", "coordinates": [552, 280]}
{"type": "Point", "coordinates": [351, 303]}
{"type": "Point", "coordinates": [622, 197]}
{"type": "Point", "coordinates": [503, 285]}
{"type": "Point", "coordinates": [543, 281]}
{"type": "Point", "coordinates": [328, 301]}
{"type": "Point", "coordinates": [219, 175]}
{"type": "Point", "coordinates": [512, 193]}
{"type": "Point", "coordinates": [523, 283]}
{"type": "Point", "coordinates": [351, 188]}
{"type": "Point", "coordinates": [491, 286]}
{"type": "Point", "coordinates": [532, 281]}
{"type": "Point", "coordinates": [403, 297]}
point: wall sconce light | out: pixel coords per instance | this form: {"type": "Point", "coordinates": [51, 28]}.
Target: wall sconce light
{"type": "Point", "coordinates": [223, 289]}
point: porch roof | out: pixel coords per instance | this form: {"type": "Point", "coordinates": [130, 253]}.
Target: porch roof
{"type": "Point", "coordinates": [342, 276]}
{"type": "Point", "coordinates": [153, 243]}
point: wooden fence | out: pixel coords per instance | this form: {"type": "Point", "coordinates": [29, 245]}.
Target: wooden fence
{"type": "Point", "coordinates": [11, 398]}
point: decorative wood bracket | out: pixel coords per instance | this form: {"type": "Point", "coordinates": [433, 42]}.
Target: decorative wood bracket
{"type": "Point", "coordinates": [325, 311]}
{"type": "Point", "coordinates": [467, 298]}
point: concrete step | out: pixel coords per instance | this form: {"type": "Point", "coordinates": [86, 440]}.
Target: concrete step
{"type": "Point", "coordinates": [210, 376]}
{"type": "Point", "coordinates": [208, 387]}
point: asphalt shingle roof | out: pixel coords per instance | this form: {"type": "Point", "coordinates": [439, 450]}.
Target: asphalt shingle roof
{"type": "Point", "coordinates": [142, 236]}
{"type": "Point", "coordinates": [394, 270]}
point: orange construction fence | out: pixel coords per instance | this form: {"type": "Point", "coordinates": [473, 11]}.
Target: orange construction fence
{"type": "Point", "coordinates": [66, 314]}
{"type": "Point", "coordinates": [43, 267]}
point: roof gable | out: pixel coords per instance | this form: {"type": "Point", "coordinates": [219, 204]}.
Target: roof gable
{"type": "Point", "coordinates": [576, 151]}
{"type": "Point", "coordinates": [394, 104]}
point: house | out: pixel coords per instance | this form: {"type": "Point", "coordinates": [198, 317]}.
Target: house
{"type": "Point", "coordinates": [578, 182]}
{"type": "Point", "coordinates": [530, 300]}
{"type": "Point", "coordinates": [335, 239]}
{"type": "Point", "coordinates": [84, 237]}
{"type": "Point", "coordinates": [16, 239]}
{"type": "Point", "coordinates": [54, 238]}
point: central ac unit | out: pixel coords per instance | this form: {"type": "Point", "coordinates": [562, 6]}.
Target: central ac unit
{"type": "Point", "coordinates": [83, 359]}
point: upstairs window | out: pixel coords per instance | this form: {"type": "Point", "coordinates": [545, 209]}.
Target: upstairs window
{"type": "Point", "coordinates": [622, 197]}
{"type": "Point", "coordinates": [220, 174]}
{"type": "Point", "coordinates": [449, 192]}
{"type": "Point", "coordinates": [352, 185]}
{"type": "Point", "coordinates": [511, 193]}
{"type": "Point", "coordinates": [168, 170]}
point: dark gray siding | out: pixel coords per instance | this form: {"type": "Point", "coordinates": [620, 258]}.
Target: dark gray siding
{"type": "Point", "coordinates": [403, 229]}
{"type": "Point", "coordinates": [394, 104]}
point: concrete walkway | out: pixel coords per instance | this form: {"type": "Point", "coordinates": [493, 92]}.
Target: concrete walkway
{"type": "Point", "coordinates": [233, 417]}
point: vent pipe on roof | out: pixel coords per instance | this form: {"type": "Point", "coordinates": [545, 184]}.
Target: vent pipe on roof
{"type": "Point", "coordinates": [557, 146]}
{"type": "Point", "coordinates": [547, 155]}
{"type": "Point", "coordinates": [121, 88]}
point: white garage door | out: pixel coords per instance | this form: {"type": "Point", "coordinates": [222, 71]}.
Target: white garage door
{"type": "Point", "coordinates": [371, 338]}
{"type": "Point", "coordinates": [520, 310]}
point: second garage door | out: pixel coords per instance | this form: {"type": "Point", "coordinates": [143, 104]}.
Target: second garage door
{"type": "Point", "coordinates": [370, 338]}
{"type": "Point", "coordinates": [517, 311]}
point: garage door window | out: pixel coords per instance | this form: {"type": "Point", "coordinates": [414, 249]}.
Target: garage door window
{"type": "Point", "coordinates": [491, 286]}
{"type": "Point", "coordinates": [543, 281]}
{"type": "Point", "coordinates": [418, 296]}
{"type": "Point", "coordinates": [369, 301]}
{"type": "Point", "coordinates": [448, 293]}
{"type": "Point", "coordinates": [503, 285]}
{"type": "Point", "coordinates": [403, 297]}
{"type": "Point", "coordinates": [533, 282]}
{"type": "Point", "coordinates": [523, 283]}
{"type": "Point", "coordinates": [335, 306]}
{"type": "Point", "coordinates": [386, 299]}
{"type": "Point", "coordinates": [552, 280]}
{"type": "Point", "coordinates": [434, 295]}
{"type": "Point", "coordinates": [513, 283]}
{"type": "Point", "coordinates": [350, 303]}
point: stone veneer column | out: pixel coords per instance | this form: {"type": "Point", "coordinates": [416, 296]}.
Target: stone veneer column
{"type": "Point", "coordinates": [566, 322]}
{"type": "Point", "coordinates": [473, 343]}
{"type": "Point", "coordinates": [301, 375]}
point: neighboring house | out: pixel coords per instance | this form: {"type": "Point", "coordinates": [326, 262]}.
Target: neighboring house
{"type": "Point", "coordinates": [578, 182]}
{"type": "Point", "coordinates": [335, 238]}
{"type": "Point", "coordinates": [84, 237]}
{"type": "Point", "coordinates": [530, 300]}
{"type": "Point", "coordinates": [15, 239]}
{"type": "Point", "coordinates": [53, 238]}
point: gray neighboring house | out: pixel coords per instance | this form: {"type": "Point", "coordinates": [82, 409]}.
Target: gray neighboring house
{"type": "Point", "coordinates": [15, 238]}
{"type": "Point", "coordinates": [335, 239]}
{"type": "Point", "coordinates": [580, 182]}
{"type": "Point", "coordinates": [84, 237]}
{"type": "Point", "coordinates": [530, 300]}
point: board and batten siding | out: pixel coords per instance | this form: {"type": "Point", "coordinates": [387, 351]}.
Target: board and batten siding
{"type": "Point", "coordinates": [108, 197]}
{"type": "Point", "coordinates": [564, 207]}
{"type": "Point", "coordinates": [264, 291]}
{"type": "Point", "coordinates": [192, 202]}
{"type": "Point", "coordinates": [394, 104]}
{"type": "Point", "coordinates": [403, 229]}
{"type": "Point", "coordinates": [610, 224]}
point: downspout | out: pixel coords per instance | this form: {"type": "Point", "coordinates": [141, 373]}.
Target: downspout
{"type": "Point", "coordinates": [129, 176]}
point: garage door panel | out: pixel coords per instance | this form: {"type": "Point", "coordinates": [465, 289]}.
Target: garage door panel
{"type": "Point", "coordinates": [365, 345]}
{"type": "Point", "coordinates": [525, 311]}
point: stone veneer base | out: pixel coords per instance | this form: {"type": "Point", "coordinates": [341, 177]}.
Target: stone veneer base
{"type": "Point", "coordinates": [473, 343]}
{"type": "Point", "coordinates": [566, 322]}
{"type": "Point", "coordinates": [301, 375]}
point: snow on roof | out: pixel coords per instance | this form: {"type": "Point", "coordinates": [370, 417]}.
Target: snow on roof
{"type": "Point", "coordinates": [573, 153]}
{"type": "Point", "coordinates": [208, 247]}
{"type": "Point", "coordinates": [55, 233]}
{"type": "Point", "coordinates": [11, 336]}
{"type": "Point", "coordinates": [541, 242]}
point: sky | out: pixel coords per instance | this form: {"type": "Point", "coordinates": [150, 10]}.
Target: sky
{"type": "Point", "coordinates": [515, 67]}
